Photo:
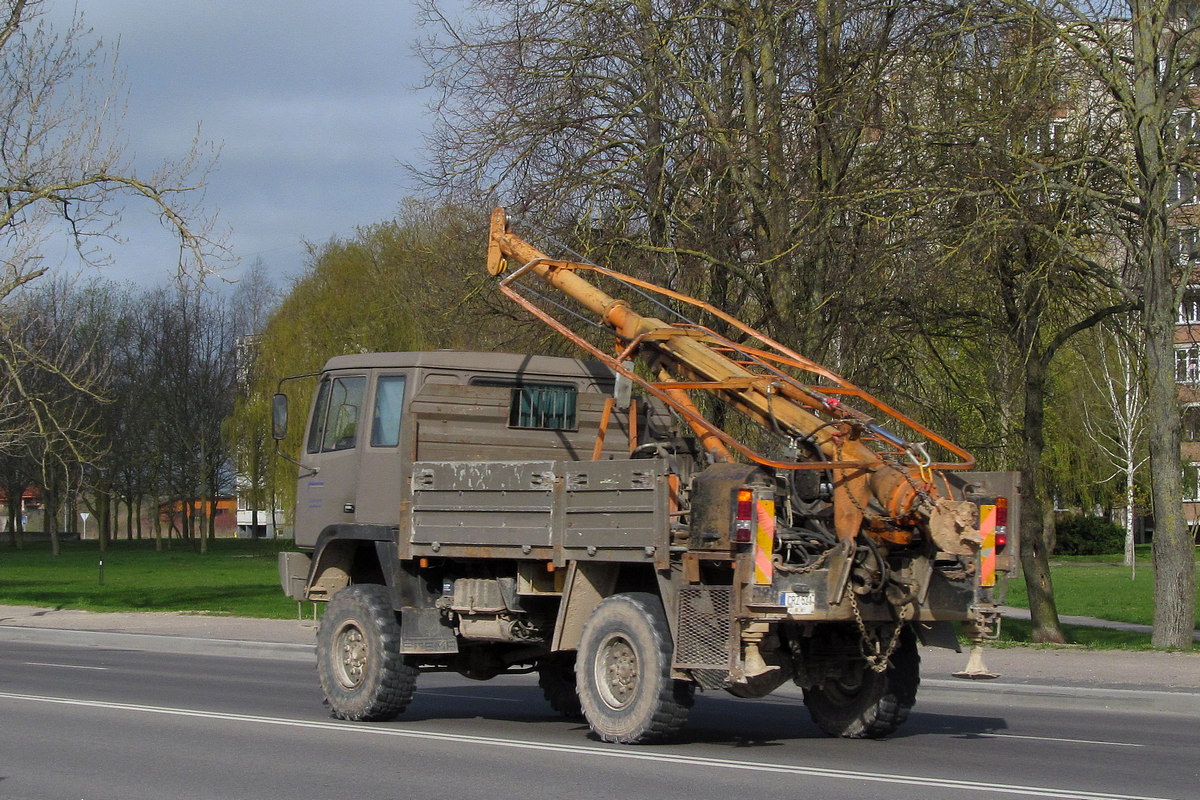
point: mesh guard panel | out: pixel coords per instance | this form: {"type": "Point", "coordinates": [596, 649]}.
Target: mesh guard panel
{"type": "Point", "coordinates": [706, 634]}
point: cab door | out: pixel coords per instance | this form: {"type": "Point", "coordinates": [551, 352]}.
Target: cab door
{"type": "Point", "coordinates": [327, 487]}
{"type": "Point", "coordinates": [381, 485]}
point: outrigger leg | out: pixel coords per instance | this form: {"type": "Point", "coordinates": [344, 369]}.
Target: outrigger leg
{"type": "Point", "coordinates": [983, 625]}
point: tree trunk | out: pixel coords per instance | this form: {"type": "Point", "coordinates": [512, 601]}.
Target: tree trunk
{"type": "Point", "coordinates": [50, 515]}
{"type": "Point", "coordinates": [158, 528]}
{"type": "Point", "coordinates": [11, 524]}
{"type": "Point", "coordinates": [1035, 555]}
{"type": "Point", "coordinates": [1173, 547]}
{"type": "Point", "coordinates": [1130, 555]}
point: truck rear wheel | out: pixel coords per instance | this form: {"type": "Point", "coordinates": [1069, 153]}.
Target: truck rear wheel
{"type": "Point", "coordinates": [867, 704]}
{"type": "Point", "coordinates": [623, 671]}
{"type": "Point", "coordinates": [363, 674]}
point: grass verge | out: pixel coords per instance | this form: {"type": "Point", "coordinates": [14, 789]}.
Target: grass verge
{"type": "Point", "coordinates": [237, 577]}
{"type": "Point", "coordinates": [1094, 586]}
{"type": "Point", "coordinates": [1091, 589]}
{"type": "Point", "coordinates": [1019, 633]}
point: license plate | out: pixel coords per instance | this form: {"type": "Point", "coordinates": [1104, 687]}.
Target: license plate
{"type": "Point", "coordinates": [799, 603]}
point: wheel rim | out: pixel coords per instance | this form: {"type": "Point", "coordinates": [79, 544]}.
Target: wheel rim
{"type": "Point", "coordinates": [617, 671]}
{"type": "Point", "coordinates": [350, 654]}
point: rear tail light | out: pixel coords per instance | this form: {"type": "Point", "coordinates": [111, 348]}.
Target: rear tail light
{"type": "Point", "coordinates": [743, 522]}
{"type": "Point", "coordinates": [1001, 523]}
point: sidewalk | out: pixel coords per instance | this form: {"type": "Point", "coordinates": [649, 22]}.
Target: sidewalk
{"type": "Point", "coordinates": [1118, 670]}
{"type": "Point", "coordinates": [173, 632]}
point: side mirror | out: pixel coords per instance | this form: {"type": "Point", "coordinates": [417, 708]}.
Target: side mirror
{"type": "Point", "coordinates": [279, 417]}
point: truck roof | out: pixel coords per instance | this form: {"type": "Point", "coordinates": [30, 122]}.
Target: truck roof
{"type": "Point", "coordinates": [505, 364]}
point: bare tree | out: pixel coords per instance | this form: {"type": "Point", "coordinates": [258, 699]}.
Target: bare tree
{"type": "Point", "coordinates": [1115, 374]}
{"type": "Point", "coordinates": [728, 149]}
{"type": "Point", "coordinates": [64, 171]}
{"type": "Point", "coordinates": [1141, 58]}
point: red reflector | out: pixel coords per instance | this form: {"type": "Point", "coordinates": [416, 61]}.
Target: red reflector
{"type": "Point", "coordinates": [1001, 523]}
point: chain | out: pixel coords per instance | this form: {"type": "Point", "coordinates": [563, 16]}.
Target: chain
{"type": "Point", "coordinates": [779, 566]}
{"type": "Point", "coordinates": [877, 657]}
{"type": "Point", "coordinates": [920, 490]}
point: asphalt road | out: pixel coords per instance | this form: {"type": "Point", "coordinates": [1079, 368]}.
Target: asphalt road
{"type": "Point", "coordinates": [88, 721]}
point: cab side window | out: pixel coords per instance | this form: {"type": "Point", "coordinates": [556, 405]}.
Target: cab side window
{"type": "Point", "coordinates": [389, 399]}
{"type": "Point", "coordinates": [336, 415]}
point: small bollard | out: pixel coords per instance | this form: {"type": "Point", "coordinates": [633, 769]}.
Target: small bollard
{"type": "Point", "coordinates": [102, 572]}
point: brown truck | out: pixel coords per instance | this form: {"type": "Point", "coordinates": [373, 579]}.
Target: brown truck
{"type": "Point", "coordinates": [490, 513]}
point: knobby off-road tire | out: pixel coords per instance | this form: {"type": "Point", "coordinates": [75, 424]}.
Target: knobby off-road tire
{"type": "Point", "coordinates": [358, 656]}
{"type": "Point", "coordinates": [874, 704]}
{"type": "Point", "coordinates": [556, 677]}
{"type": "Point", "coordinates": [623, 671]}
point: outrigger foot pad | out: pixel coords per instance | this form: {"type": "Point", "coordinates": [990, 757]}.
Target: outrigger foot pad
{"type": "Point", "coordinates": [976, 669]}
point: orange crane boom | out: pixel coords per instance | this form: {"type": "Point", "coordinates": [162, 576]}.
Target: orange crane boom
{"type": "Point", "coordinates": [882, 482]}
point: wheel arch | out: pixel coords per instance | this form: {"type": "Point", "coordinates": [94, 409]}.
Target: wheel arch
{"type": "Point", "coordinates": [589, 583]}
{"type": "Point", "coordinates": [350, 554]}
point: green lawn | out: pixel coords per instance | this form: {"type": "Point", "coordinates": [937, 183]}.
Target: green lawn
{"type": "Point", "coordinates": [1096, 589]}
{"type": "Point", "coordinates": [236, 577]}
{"type": "Point", "coordinates": [239, 577]}
{"type": "Point", "coordinates": [1094, 586]}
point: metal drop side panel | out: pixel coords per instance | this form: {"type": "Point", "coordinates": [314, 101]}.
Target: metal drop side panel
{"type": "Point", "coordinates": [560, 510]}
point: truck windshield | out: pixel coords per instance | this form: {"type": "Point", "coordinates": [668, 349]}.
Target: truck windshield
{"type": "Point", "coordinates": [336, 414]}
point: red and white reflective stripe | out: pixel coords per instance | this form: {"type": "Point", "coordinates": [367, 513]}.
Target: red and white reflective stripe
{"type": "Point", "coordinates": [987, 555]}
{"type": "Point", "coordinates": [764, 542]}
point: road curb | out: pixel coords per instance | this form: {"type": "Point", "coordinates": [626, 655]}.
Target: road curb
{"type": "Point", "coordinates": [159, 643]}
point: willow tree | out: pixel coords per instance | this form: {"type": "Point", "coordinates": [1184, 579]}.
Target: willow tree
{"type": "Point", "coordinates": [408, 284]}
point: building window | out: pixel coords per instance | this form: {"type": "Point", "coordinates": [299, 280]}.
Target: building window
{"type": "Point", "coordinates": [1191, 483]}
{"type": "Point", "coordinates": [1183, 189]}
{"type": "Point", "coordinates": [1187, 364]}
{"type": "Point", "coordinates": [1186, 244]}
{"type": "Point", "coordinates": [1191, 423]}
{"type": "Point", "coordinates": [1047, 138]}
{"type": "Point", "coordinates": [1189, 309]}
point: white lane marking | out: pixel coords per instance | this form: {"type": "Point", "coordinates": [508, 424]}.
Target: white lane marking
{"type": "Point", "coordinates": [618, 752]}
{"type": "Point", "coordinates": [1057, 739]}
{"type": "Point", "coordinates": [63, 666]}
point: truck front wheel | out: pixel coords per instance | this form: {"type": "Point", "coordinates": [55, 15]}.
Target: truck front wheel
{"type": "Point", "coordinates": [364, 676]}
{"type": "Point", "coordinates": [623, 672]}
{"type": "Point", "coordinates": [865, 704]}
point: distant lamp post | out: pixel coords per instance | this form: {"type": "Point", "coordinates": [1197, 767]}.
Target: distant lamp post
{"type": "Point", "coordinates": [85, 515]}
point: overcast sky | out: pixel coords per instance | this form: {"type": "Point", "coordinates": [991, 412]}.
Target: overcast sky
{"type": "Point", "coordinates": [312, 104]}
